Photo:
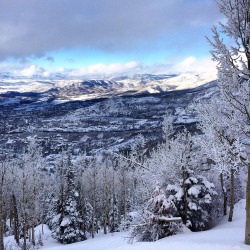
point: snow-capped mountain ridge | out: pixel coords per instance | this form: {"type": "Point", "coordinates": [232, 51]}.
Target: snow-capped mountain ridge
{"type": "Point", "coordinates": [103, 87]}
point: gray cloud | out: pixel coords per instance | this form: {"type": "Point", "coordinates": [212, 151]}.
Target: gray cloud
{"type": "Point", "coordinates": [33, 27]}
{"type": "Point", "coordinates": [50, 59]}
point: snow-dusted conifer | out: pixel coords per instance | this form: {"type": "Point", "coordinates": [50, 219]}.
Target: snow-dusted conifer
{"type": "Point", "coordinates": [157, 219]}
{"type": "Point", "coordinates": [200, 194]}
{"type": "Point", "coordinates": [114, 215]}
{"type": "Point", "coordinates": [68, 221]}
{"type": "Point", "coordinates": [87, 217]}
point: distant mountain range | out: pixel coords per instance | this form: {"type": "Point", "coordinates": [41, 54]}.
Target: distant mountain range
{"type": "Point", "coordinates": [85, 89]}
{"type": "Point", "coordinates": [93, 115]}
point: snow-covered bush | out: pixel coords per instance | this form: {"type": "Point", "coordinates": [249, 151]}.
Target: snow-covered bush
{"type": "Point", "coordinates": [12, 245]}
{"type": "Point", "coordinates": [126, 223]}
{"type": "Point", "coordinates": [157, 219]}
{"type": "Point", "coordinates": [199, 201]}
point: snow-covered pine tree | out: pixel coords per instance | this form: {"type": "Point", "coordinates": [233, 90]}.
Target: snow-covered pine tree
{"type": "Point", "coordinates": [87, 218]}
{"type": "Point", "coordinates": [193, 189]}
{"type": "Point", "coordinates": [113, 215]}
{"type": "Point", "coordinates": [84, 187]}
{"type": "Point", "coordinates": [157, 219]}
{"type": "Point", "coordinates": [51, 210]}
{"type": "Point", "coordinates": [199, 201]}
{"type": "Point", "coordinates": [55, 202]}
{"type": "Point", "coordinates": [68, 223]}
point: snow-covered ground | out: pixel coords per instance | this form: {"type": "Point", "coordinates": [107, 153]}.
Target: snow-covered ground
{"type": "Point", "coordinates": [225, 236]}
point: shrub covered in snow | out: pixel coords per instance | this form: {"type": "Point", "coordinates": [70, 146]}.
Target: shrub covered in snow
{"type": "Point", "coordinates": [157, 219]}
{"type": "Point", "coordinates": [199, 193]}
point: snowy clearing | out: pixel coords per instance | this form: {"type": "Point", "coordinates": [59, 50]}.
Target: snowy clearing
{"type": "Point", "coordinates": [225, 236]}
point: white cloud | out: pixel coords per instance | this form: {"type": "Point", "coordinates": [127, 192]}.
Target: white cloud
{"type": "Point", "coordinates": [188, 61]}
{"type": "Point", "coordinates": [29, 71]}
{"type": "Point", "coordinates": [107, 69]}
{"type": "Point", "coordinates": [188, 65]}
{"type": "Point", "coordinates": [193, 65]}
{"type": "Point", "coordinates": [32, 70]}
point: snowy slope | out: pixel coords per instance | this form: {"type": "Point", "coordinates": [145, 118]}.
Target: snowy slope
{"type": "Point", "coordinates": [225, 236]}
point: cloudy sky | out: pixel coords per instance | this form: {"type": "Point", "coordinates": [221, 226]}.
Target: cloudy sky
{"type": "Point", "coordinates": [96, 37]}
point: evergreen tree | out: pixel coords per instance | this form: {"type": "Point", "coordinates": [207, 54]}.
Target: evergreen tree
{"type": "Point", "coordinates": [68, 223]}
{"type": "Point", "coordinates": [87, 218]}
{"type": "Point", "coordinates": [157, 219]}
{"type": "Point", "coordinates": [199, 201]}
{"type": "Point", "coordinates": [114, 216]}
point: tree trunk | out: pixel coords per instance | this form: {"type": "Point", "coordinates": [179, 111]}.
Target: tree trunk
{"type": "Point", "coordinates": [1, 219]}
{"type": "Point", "coordinates": [224, 192]}
{"type": "Point", "coordinates": [82, 204]}
{"type": "Point", "coordinates": [230, 217]}
{"type": "Point", "coordinates": [112, 229]}
{"type": "Point", "coordinates": [94, 204]}
{"type": "Point", "coordinates": [33, 219]}
{"type": "Point", "coordinates": [105, 215]}
{"type": "Point", "coordinates": [247, 229]}
{"type": "Point", "coordinates": [185, 203]}
{"type": "Point", "coordinates": [11, 216]}
{"type": "Point", "coordinates": [124, 199]}
{"type": "Point", "coordinates": [83, 218]}
{"type": "Point", "coordinates": [105, 225]}
{"type": "Point", "coordinates": [107, 191]}
{"type": "Point", "coordinates": [25, 231]}
{"type": "Point", "coordinates": [112, 222]}
{"type": "Point", "coordinates": [33, 235]}
{"type": "Point", "coordinates": [29, 233]}
{"type": "Point", "coordinates": [15, 218]}
{"type": "Point", "coordinates": [185, 206]}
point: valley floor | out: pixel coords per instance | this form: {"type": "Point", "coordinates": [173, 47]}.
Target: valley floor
{"type": "Point", "coordinates": [225, 236]}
